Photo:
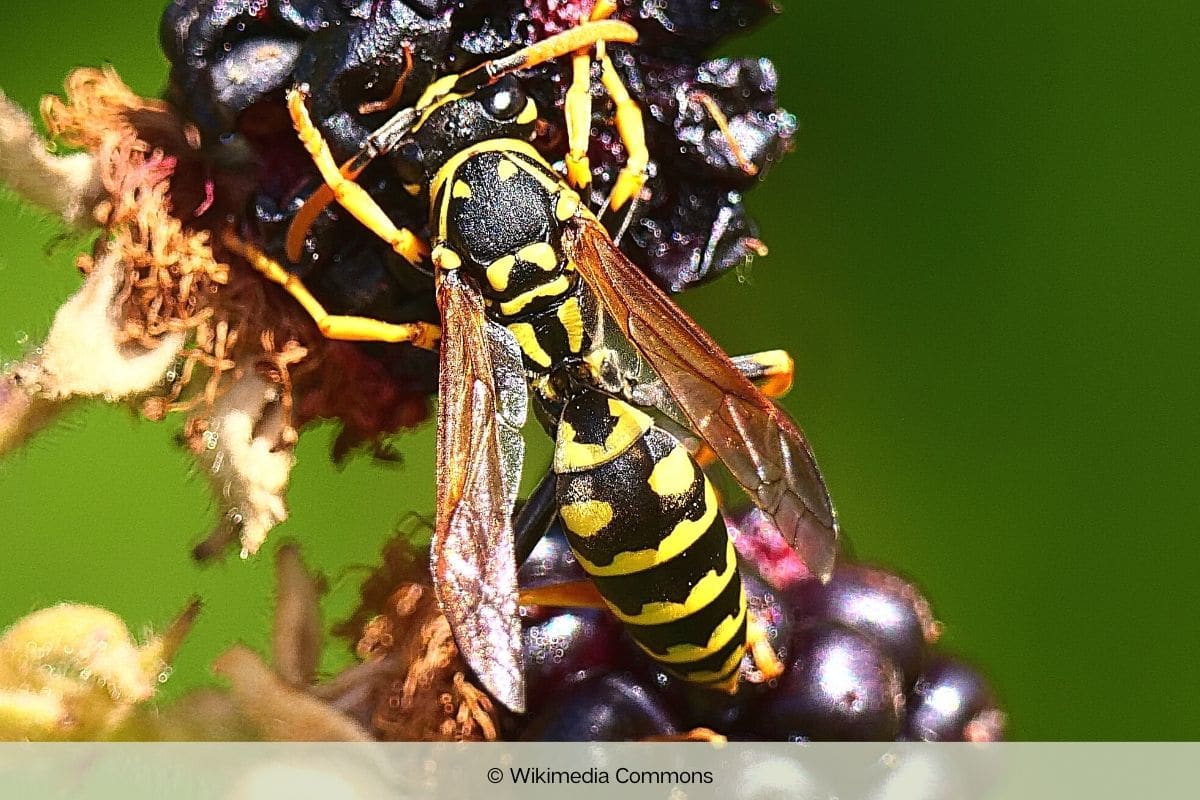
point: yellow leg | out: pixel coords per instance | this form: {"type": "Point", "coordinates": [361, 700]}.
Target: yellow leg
{"type": "Point", "coordinates": [694, 735]}
{"type": "Point", "coordinates": [578, 110]}
{"type": "Point", "coordinates": [761, 651]}
{"type": "Point", "coordinates": [349, 194]}
{"type": "Point", "coordinates": [630, 126]}
{"type": "Point", "coordinates": [572, 594]}
{"type": "Point", "coordinates": [632, 131]}
{"type": "Point", "coordinates": [771, 370]}
{"type": "Point", "coordinates": [333, 326]}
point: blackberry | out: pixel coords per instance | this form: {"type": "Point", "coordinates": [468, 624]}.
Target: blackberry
{"type": "Point", "coordinates": [565, 647]}
{"type": "Point", "coordinates": [603, 708]}
{"type": "Point", "coordinates": [952, 703]}
{"type": "Point", "coordinates": [878, 604]}
{"type": "Point", "coordinates": [839, 686]}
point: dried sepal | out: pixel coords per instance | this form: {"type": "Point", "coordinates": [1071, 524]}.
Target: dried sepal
{"type": "Point", "coordinates": [75, 672]}
{"type": "Point", "coordinates": [85, 354]}
{"type": "Point", "coordinates": [297, 633]}
{"type": "Point", "coordinates": [22, 414]}
{"type": "Point", "coordinates": [208, 715]}
{"type": "Point", "coordinates": [278, 711]}
{"type": "Point", "coordinates": [245, 446]}
{"type": "Point", "coordinates": [414, 684]}
{"type": "Point", "coordinates": [68, 186]}
{"type": "Point", "coordinates": [267, 702]}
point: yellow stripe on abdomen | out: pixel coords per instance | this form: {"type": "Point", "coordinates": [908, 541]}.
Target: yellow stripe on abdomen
{"type": "Point", "coordinates": [531, 346]}
{"type": "Point", "coordinates": [706, 590]}
{"type": "Point", "coordinates": [684, 535]}
{"type": "Point", "coordinates": [685, 653]}
{"type": "Point", "coordinates": [571, 455]}
{"type": "Point", "coordinates": [559, 286]}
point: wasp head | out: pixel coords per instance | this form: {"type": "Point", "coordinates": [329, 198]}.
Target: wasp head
{"type": "Point", "coordinates": [483, 103]}
{"type": "Point", "coordinates": [453, 115]}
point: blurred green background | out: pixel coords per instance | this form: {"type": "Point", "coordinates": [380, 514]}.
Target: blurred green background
{"type": "Point", "coordinates": [983, 257]}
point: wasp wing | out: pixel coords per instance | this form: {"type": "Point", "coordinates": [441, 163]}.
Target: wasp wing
{"type": "Point", "coordinates": [759, 444]}
{"type": "Point", "coordinates": [482, 406]}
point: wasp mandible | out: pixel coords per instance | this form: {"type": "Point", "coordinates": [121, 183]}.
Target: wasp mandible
{"type": "Point", "coordinates": [537, 300]}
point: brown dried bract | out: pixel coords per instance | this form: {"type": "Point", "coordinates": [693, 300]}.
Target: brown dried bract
{"type": "Point", "coordinates": [171, 270]}
{"type": "Point", "coordinates": [424, 694]}
{"type": "Point", "coordinates": [163, 203]}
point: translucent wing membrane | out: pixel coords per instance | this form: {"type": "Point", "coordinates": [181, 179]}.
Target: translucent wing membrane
{"type": "Point", "coordinates": [483, 403]}
{"type": "Point", "coordinates": [759, 444]}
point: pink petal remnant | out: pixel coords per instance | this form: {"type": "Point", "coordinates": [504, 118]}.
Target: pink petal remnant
{"type": "Point", "coordinates": [758, 541]}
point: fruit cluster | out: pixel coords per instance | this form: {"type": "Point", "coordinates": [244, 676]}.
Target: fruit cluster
{"type": "Point", "coordinates": [713, 127]}
{"type": "Point", "coordinates": [858, 654]}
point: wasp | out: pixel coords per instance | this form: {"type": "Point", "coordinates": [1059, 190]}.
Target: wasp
{"type": "Point", "coordinates": [537, 303]}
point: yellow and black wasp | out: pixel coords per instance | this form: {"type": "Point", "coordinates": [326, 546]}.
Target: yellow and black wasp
{"type": "Point", "coordinates": [537, 301]}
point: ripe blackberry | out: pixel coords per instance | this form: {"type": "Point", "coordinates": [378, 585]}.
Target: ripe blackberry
{"type": "Point", "coordinates": [952, 703]}
{"type": "Point", "coordinates": [879, 604]}
{"type": "Point", "coordinates": [566, 646]}
{"type": "Point", "coordinates": [602, 708]}
{"type": "Point", "coordinates": [839, 686]}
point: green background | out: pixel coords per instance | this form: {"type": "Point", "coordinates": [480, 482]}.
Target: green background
{"type": "Point", "coordinates": [983, 257]}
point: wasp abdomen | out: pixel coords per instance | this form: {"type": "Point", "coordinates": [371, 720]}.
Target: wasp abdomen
{"type": "Point", "coordinates": [644, 522]}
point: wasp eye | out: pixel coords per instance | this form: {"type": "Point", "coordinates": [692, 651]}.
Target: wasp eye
{"type": "Point", "coordinates": [506, 100]}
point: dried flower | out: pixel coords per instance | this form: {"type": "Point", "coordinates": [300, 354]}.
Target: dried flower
{"type": "Point", "coordinates": [164, 320]}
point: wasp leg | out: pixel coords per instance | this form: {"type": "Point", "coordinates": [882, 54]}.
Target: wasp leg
{"type": "Point", "coordinates": [771, 370]}
{"type": "Point", "coordinates": [333, 326]}
{"type": "Point", "coordinates": [761, 652]}
{"type": "Point", "coordinates": [349, 194]}
{"type": "Point", "coordinates": [632, 130]}
{"type": "Point", "coordinates": [694, 735]}
{"type": "Point", "coordinates": [535, 517]}
{"type": "Point", "coordinates": [572, 594]}
{"type": "Point", "coordinates": [630, 125]}
{"type": "Point", "coordinates": [577, 106]}
{"type": "Point", "coordinates": [578, 110]}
